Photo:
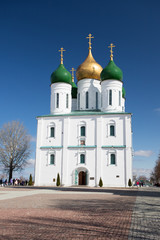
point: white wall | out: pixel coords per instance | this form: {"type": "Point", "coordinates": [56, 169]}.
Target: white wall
{"type": "Point", "coordinates": [63, 89]}
{"type": "Point", "coordinates": [116, 87]}
{"type": "Point", "coordinates": [74, 104]}
{"type": "Point", "coordinates": [67, 134]}
{"type": "Point", "coordinates": [91, 86]}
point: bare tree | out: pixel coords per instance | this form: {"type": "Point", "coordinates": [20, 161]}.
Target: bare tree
{"type": "Point", "coordinates": [155, 176]}
{"type": "Point", "coordinates": [142, 179]}
{"type": "Point", "coordinates": [15, 147]}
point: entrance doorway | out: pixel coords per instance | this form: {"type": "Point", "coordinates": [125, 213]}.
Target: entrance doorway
{"type": "Point", "coordinates": [82, 178]}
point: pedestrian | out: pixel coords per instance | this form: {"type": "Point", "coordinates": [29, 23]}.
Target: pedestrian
{"type": "Point", "coordinates": [11, 181]}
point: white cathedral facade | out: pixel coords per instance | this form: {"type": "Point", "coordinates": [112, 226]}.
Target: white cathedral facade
{"type": "Point", "coordinates": [88, 134]}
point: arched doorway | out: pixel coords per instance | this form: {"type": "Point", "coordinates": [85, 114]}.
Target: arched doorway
{"type": "Point", "coordinates": [82, 178]}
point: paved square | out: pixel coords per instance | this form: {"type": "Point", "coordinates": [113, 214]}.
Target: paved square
{"type": "Point", "coordinates": [78, 213]}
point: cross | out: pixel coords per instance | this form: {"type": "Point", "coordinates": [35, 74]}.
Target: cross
{"type": "Point", "coordinates": [73, 70]}
{"type": "Point", "coordinates": [61, 50]}
{"type": "Point", "coordinates": [90, 37]}
{"type": "Point", "coordinates": [111, 51]}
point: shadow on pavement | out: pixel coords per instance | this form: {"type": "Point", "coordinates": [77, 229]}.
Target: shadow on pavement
{"type": "Point", "coordinates": [146, 192]}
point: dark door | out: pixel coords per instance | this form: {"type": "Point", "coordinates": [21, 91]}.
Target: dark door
{"type": "Point", "coordinates": [82, 178]}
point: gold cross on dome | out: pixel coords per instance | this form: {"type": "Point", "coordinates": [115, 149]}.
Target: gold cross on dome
{"type": "Point", "coordinates": [73, 70]}
{"type": "Point", "coordinates": [111, 51]}
{"type": "Point", "coordinates": [61, 50]}
{"type": "Point", "coordinates": [90, 37]}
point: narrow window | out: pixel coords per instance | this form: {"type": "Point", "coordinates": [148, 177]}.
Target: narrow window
{"type": "Point", "coordinates": [82, 158]}
{"type": "Point", "coordinates": [119, 98]}
{"type": "Point", "coordinates": [83, 131]}
{"type": "Point", "coordinates": [52, 159]}
{"type": "Point", "coordinates": [52, 131]}
{"type": "Point", "coordinates": [101, 100]}
{"type": "Point", "coordinates": [67, 100]}
{"type": "Point", "coordinates": [78, 101]}
{"type": "Point", "coordinates": [113, 159]}
{"type": "Point", "coordinates": [96, 100]}
{"type": "Point", "coordinates": [86, 99]}
{"type": "Point", "coordinates": [112, 130]}
{"type": "Point", "coordinates": [57, 104]}
{"type": "Point", "coordinates": [110, 97]}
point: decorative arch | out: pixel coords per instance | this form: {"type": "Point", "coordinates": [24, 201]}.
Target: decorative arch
{"type": "Point", "coordinates": [80, 172]}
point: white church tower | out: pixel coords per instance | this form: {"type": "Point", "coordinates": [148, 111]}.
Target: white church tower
{"type": "Point", "coordinates": [111, 83]}
{"type": "Point", "coordinates": [61, 84]}
{"type": "Point", "coordinates": [89, 84]}
{"type": "Point", "coordinates": [88, 134]}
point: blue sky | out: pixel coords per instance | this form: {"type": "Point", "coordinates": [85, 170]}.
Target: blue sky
{"type": "Point", "coordinates": [33, 31]}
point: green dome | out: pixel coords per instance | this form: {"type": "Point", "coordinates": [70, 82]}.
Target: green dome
{"type": "Point", "coordinates": [123, 92]}
{"type": "Point", "coordinates": [74, 90]}
{"type": "Point", "coordinates": [111, 71]}
{"type": "Point", "coordinates": [61, 75]}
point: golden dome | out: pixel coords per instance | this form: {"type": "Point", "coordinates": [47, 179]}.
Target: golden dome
{"type": "Point", "coordinates": [89, 68]}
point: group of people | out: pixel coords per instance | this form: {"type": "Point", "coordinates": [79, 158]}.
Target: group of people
{"type": "Point", "coordinates": [139, 184]}
{"type": "Point", "coordinates": [13, 182]}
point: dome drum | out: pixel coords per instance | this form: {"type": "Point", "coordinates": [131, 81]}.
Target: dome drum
{"type": "Point", "coordinates": [111, 96]}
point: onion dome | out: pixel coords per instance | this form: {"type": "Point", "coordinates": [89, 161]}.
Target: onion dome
{"type": "Point", "coordinates": [123, 92]}
{"type": "Point", "coordinates": [89, 68]}
{"type": "Point", "coordinates": [61, 75]}
{"type": "Point", "coordinates": [111, 71]}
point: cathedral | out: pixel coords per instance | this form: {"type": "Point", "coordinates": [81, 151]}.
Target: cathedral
{"type": "Point", "coordinates": [88, 135]}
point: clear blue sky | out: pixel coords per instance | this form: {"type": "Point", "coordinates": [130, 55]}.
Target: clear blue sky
{"type": "Point", "coordinates": [32, 32]}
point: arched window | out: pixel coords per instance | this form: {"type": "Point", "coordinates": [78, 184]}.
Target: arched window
{"type": "Point", "coordinates": [83, 131]}
{"type": "Point", "coordinates": [52, 132]}
{"type": "Point", "coordinates": [87, 105]}
{"type": "Point", "coordinates": [52, 159]}
{"type": "Point", "coordinates": [110, 97]}
{"type": "Point", "coordinates": [113, 159]}
{"type": "Point", "coordinates": [112, 130]}
{"type": "Point", "coordinates": [96, 100]}
{"type": "Point", "coordinates": [57, 101]}
{"type": "Point", "coordinates": [82, 158]}
{"type": "Point", "coordinates": [67, 97]}
{"type": "Point", "coordinates": [119, 98]}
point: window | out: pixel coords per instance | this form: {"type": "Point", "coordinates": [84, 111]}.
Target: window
{"type": "Point", "coordinates": [113, 159]}
{"type": "Point", "coordinates": [78, 101]}
{"type": "Point", "coordinates": [57, 103]}
{"type": "Point", "coordinates": [83, 131]}
{"type": "Point", "coordinates": [96, 100]}
{"type": "Point", "coordinates": [52, 132]}
{"type": "Point", "coordinates": [86, 99]}
{"type": "Point", "coordinates": [82, 142]}
{"type": "Point", "coordinates": [67, 100]}
{"type": "Point", "coordinates": [112, 132]}
{"type": "Point", "coordinates": [110, 97]}
{"type": "Point", "coordinates": [82, 158]}
{"type": "Point", "coordinates": [52, 159]}
{"type": "Point", "coordinates": [119, 98]}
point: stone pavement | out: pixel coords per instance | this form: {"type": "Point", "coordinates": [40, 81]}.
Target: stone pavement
{"type": "Point", "coordinates": [45, 213]}
{"type": "Point", "coordinates": [146, 215]}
